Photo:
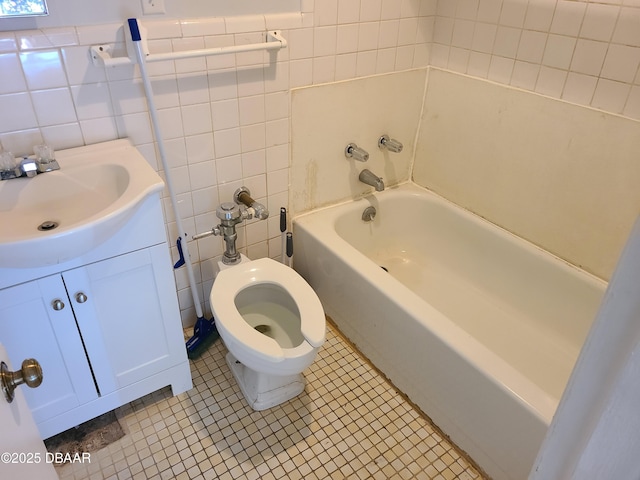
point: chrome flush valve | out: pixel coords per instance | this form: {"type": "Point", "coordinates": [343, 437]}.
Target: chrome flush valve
{"type": "Point", "coordinates": [230, 215]}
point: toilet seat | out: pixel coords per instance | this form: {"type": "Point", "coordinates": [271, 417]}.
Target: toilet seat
{"type": "Point", "coordinates": [230, 282]}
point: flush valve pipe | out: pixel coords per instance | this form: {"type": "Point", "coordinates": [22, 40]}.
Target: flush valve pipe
{"type": "Point", "coordinates": [243, 196]}
{"type": "Point", "coordinates": [390, 144]}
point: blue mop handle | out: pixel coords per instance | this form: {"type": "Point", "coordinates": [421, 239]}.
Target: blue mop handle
{"type": "Point", "coordinates": [134, 29]}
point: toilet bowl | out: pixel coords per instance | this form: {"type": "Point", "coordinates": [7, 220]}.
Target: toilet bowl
{"type": "Point", "coordinates": [272, 323]}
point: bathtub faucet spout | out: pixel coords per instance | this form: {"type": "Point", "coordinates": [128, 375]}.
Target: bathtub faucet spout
{"type": "Point", "coordinates": [368, 177]}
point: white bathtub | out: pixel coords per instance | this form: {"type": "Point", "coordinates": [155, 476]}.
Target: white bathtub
{"type": "Point", "coordinates": [478, 327]}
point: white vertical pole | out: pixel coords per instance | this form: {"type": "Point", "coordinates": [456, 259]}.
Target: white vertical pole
{"type": "Point", "coordinates": [135, 36]}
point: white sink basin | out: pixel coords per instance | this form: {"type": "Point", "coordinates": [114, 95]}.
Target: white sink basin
{"type": "Point", "coordinates": [60, 215]}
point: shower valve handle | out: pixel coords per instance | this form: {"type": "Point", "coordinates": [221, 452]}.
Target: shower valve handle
{"type": "Point", "coordinates": [353, 151]}
{"type": "Point", "coordinates": [390, 144]}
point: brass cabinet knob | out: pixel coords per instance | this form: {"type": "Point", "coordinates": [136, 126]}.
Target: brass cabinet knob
{"type": "Point", "coordinates": [30, 374]}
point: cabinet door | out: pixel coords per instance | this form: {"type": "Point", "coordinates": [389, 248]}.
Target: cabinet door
{"type": "Point", "coordinates": [127, 311]}
{"type": "Point", "coordinates": [30, 327]}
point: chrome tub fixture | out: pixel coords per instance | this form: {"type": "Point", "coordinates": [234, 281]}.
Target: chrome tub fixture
{"type": "Point", "coordinates": [368, 177]}
{"type": "Point", "coordinates": [390, 144]}
{"type": "Point", "coordinates": [353, 151]}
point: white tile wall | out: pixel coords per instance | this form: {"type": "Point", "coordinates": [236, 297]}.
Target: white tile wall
{"type": "Point", "coordinates": [225, 119]}
{"type": "Point", "coordinates": [228, 116]}
{"type": "Point", "coordinates": [583, 51]}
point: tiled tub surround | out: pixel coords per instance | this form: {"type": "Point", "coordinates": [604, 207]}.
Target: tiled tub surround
{"type": "Point", "coordinates": [349, 423]}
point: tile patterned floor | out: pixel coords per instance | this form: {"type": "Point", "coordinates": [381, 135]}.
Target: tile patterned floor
{"type": "Point", "coordinates": [349, 423]}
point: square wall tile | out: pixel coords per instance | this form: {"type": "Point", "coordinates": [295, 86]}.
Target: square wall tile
{"type": "Point", "coordinates": [92, 100]}
{"type": "Point", "coordinates": [551, 81]}
{"type": "Point", "coordinates": [467, 9]}
{"type": "Point", "coordinates": [621, 63]}
{"type": "Point", "coordinates": [347, 38]}
{"type": "Point", "coordinates": [610, 95]}
{"type": "Point", "coordinates": [370, 10]}
{"type": "Point", "coordinates": [199, 148]}
{"type": "Point", "coordinates": [348, 11]}
{"type": "Point", "coordinates": [8, 42]}
{"type": "Point", "coordinates": [43, 69]}
{"type": "Point", "coordinates": [22, 114]}
{"type": "Point", "coordinates": [559, 51]}
{"type": "Point", "coordinates": [368, 36]}
{"type": "Point", "coordinates": [229, 168]}
{"type": "Point", "coordinates": [532, 46]}
{"type": "Point", "coordinates": [462, 36]}
{"type": "Point", "coordinates": [483, 37]}
{"type": "Point", "coordinates": [588, 57]}
{"type": "Point", "coordinates": [96, 130]}
{"type": "Point", "coordinates": [227, 142]}
{"type": "Point", "coordinates": [488, 11]}
{"type": "Point", "coordinates": [136, 127]}
{"type": "Point", "coordinates": [254, 163]}
{"type": "Point", "coordinates": [251, 109]}
{"type": "Point", "coordinates": [225, 114]}
{"type": "Point", "coordinates": [127, 97]}
{"type": "Point", "coordinates": [301, 43]}
{"type": "Point", "coordinates": [13, 79]}
{"type": "Point", "coordinates": [506, 42]}
{"type": "Point", "coordinates": [627, 30]}
{"type": "Point", "coordinates": [276, 105]}
{"type": "Point", "coordinates": [408, 31]}
{"type": "Point", "coordinates": [193, 88]}
{"type": "Point", "coordinates": [252, 137]}
{"type": "Point", "coordinates": [567, 18]}
{"type": "Point", "coordinates": [525, 75]}
{"type": "Point", "coordinates": [599, 21]}
{"type": "Point", "coordinates": [325, 12]}
{"type": "Point", "coordinates": [513, 13]}
{"type": "Point", "coordinates": [539, 15]}
{"type": "Point", "coordinates": [62, 136]}
{"type": "Point", "coordinates": [203, 175]}
{"type": "Point", "coordinates": [579, 88]}
{"type": "Point", "coordinates": [196, 119]}
{"type": "Point", "coordinates": [277, 157]}
{"type": "Point", "coordinates": [325, 41]}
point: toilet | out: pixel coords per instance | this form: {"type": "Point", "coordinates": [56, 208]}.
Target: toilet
{"type": "Point", "coordinates": [272, 323]}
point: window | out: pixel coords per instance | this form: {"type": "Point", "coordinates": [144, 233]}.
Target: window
{"type": "Point", "coordinates": [22, 8]}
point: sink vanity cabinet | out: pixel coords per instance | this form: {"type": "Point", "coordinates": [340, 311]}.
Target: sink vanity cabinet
{"type": "Point", "coordinates": [104, 326]}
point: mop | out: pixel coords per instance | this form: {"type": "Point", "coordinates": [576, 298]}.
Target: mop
{"type": "Point", "coordinates": [204, 331]}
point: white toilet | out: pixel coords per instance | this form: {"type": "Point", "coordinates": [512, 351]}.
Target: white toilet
{"type": "Point", "coordinates": [272, 323]}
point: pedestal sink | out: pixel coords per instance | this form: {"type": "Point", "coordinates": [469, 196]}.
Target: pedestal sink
{"type": "Point", "coordinates": [59, 215]}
